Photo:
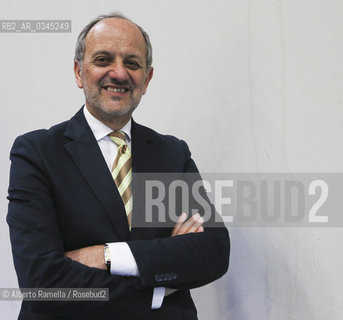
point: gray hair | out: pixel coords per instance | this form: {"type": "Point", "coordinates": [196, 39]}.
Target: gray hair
{"type": "Point", "coordinates": [81, 39]}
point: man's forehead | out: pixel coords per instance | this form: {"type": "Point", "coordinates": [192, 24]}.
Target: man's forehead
{"type": "Point", "coordinates": [120, 28]}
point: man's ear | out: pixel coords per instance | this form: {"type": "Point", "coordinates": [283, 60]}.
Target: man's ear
{"type": "Point", "coordinates": [78, 77]}
{"type": "Point", "coordinates": [148, 78]}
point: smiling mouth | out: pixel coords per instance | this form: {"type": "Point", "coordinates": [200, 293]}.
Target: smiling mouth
{"type": "Point", "coordinates": [116, 90]}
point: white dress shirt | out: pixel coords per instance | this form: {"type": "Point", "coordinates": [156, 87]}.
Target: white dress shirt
{"type": "Point", "coordinates": [123, 262]}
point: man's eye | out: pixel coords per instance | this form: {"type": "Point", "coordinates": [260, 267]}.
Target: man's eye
{"type": "Point", "coordinates": [102, 60]}
{"type": "Point", "coordinates": [133, 65]}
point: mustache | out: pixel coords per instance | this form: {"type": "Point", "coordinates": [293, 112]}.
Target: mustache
{"type": "Point", "coordinates": [114, 81]}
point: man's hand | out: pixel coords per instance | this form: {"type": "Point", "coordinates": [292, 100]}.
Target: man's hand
{"type": "Point", "coordinates": [90, 256]}
{"type": "Point", "coordinates": [193, 224]}
{"type": "Point", "coordinates": [94, 256]}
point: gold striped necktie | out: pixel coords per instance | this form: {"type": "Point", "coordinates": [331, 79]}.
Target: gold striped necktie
{"type": "Point", "coordinates": [122, 171]}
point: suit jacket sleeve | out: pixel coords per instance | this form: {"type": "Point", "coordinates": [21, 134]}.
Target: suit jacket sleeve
{"type": "Point", "coordinates": [185, 261]}
{"type": "Point", "coordinates": [38, 247]}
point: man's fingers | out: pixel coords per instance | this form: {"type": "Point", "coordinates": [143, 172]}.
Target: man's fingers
{"type": "Point", "coordinates": [179, 223]}
{"type": "Point", "coordinates": [191, 225]}
{"type": "Point", "coordinates": [196, 225]}
{"type": "Point", "coordinates": [201, 229]}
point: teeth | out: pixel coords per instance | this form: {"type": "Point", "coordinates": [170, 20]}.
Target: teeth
{"type": "Point", "coordinates": [116, 89]}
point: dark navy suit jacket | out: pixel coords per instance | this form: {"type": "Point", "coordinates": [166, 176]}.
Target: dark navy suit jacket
{"type": "Point", "coordinates": [62, 197]}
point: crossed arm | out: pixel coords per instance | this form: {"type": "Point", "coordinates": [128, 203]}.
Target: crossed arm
{"type": "Point", "coordinates": [40, 231]}
{"type": "Point", "coordinates": [93, 256]}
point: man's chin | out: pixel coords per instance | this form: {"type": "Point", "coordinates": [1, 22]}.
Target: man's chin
{"type": "Point", "coordinates": [118, 113]}
{"type": "Point", "coordinates": [111, 113]}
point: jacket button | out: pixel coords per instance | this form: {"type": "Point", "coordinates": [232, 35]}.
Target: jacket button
{"type": "Point", "coordinates": [158, 278]}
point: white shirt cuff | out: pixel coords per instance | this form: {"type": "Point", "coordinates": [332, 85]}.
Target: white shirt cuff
{"type": "Point", "coordinates": [158, 297]}
{"type": "Point", "coordinates": [123, 262]}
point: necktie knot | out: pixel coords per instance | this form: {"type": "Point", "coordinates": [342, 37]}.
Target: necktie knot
{"type": "Point", "coordinates": [118, 137]}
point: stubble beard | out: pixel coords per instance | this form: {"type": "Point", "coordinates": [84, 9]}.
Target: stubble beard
{"type": "Point", "coordinates": [96, 103]}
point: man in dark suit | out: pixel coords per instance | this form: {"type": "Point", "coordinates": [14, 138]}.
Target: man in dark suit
{"type": "Point", "coordinates": [70, 221]}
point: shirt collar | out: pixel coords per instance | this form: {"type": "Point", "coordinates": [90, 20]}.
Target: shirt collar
{"type": "Point", "coordinates": [100, 130]}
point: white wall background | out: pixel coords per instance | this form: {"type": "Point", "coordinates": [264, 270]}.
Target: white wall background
{"type": "Point", "coordinates": [258, 82]}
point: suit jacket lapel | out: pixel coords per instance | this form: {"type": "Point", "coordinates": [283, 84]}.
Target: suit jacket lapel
{"type": "Point", "coordinates": [84, 150]}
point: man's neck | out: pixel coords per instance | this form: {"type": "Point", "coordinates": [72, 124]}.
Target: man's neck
{"type": "Point", "coordinates": [115, 123]}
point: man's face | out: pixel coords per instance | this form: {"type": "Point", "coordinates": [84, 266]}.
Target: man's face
{"type": "Point", "coordinates": [113, 74]}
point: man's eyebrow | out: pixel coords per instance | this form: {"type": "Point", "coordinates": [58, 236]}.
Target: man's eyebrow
{"type": "Point", "coordinates": [134, 56]}
{"type": "Point", "coordinates": [107, 53]}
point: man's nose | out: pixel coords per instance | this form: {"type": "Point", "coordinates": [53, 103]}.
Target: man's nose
{"type": "Point", "coordinates": [118, 71]}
